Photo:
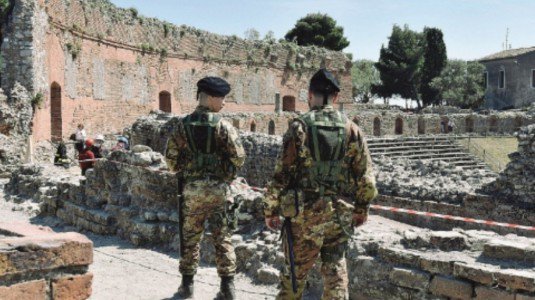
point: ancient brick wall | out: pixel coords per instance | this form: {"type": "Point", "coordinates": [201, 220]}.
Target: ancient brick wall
{"type": "Point", "coordinates": [111, 66]}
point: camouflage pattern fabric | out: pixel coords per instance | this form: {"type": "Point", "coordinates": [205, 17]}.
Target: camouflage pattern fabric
{"type": "Point", "coordinates": [321, 229]}
{"type": "Point", "coordinates": [205, 201]}
{"type": "Point", "coordinates": [180, 158]}
{"type": "Point", "coordinates": [205, 196]}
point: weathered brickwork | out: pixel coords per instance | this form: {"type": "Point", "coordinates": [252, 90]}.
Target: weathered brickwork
{"type": "Point", "coordinates": [37, 263]}
{"type": "Point", "coordinates": [119, 66]}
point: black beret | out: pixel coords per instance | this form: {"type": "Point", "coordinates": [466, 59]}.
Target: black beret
{"type": "Point", "coordinates": [213, 86]}
{"type": "Point", "coordinates": [324, 82]}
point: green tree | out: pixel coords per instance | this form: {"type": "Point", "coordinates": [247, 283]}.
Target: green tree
{"type": "Point", "coordinates": [461, 83]}
{"type": "Point", "coordinates": [364, 75]}
{"type": "Point", "coordinates": [400, 65]}
{"type": "Point", "coordinates": [435, 59]}
{"type": "Point", "coordinates": [251, 34]}
{"type": "Point", "coordinates": [319, 30]}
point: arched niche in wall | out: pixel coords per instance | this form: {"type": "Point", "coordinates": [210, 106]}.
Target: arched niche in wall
{"type": "Point", "coordinates": [253, 126]}
{"type": "Point", "coordinates": [56, 123]}
{"type": "Point", "coordinates": [493, 124]}
{"type": "Point", "coordinates": [356, 120]}
{"type": "Point", "coordinates": [236, 123]}
{"type": "Point", "coordinates": [271, 127]}
{"type": "Point", "coordinates": [421, 125]}
{"type": "Point", "coordinates": [469, 124]}
{"type": "Point", "coordinates": [288, 103]}
{"type": "Point", "coordinates": [444, 124]}
{"type": "Point", "coordinates": [399, 126]}
{"type": "Point", "coordinates": [377, 126]}
{"type": "Point", "coordinates": [518, 122]}
{"type": "Point", "coordinates": [165, 101]}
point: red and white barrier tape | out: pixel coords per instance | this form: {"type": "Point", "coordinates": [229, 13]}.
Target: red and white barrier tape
{"type": "Point", "coordinates": [450, 217]}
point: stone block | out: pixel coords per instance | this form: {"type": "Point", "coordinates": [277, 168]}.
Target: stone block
{"type": "Point", "coordinates": [410, 278]}
{"type": "Point", "coordinates": [268, 275]}
{"type": "Point", "coordinates": [516, 280]}
{"type": "Point", "coordinates": [35, 289]}
{"type": "Point", "coordinates": [448, 287]}
{"type": "Point", "coordinates": [508, 250]}
{"type": "Point", "coordinates": [75, 287]}
{"type": "Point", "coordinates": [477, 273]}
{"type": "Point", "coordinates": [487, 293]}
{"type": "Point", "coordinates": [448, 240]}
{"type": "Point", "coordinates": [399, 257]}
{"type": "Point", "coordinates": [436, 265]}
{"type": "Point", "coordinates": [524, 297]}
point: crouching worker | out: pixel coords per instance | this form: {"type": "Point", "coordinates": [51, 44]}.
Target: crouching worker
{"type": "Point", "coordinates": [206, 153]}
{"type": "Point", "coordinates": [323, 185]}
{"type": "Point", "coordinates": [85, 156]}
{"type": "Point", "coordinates": [61, 158]}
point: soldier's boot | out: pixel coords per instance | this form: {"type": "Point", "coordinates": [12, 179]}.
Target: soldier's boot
{"type": "Point", "coordinates": [186, 287]}
{"type": "Point", "coordinates": [226, 290]}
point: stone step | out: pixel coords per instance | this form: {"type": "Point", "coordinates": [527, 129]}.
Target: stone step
{"type": "Point", "coordinates": [433, 146]}
{"type": "Point", "coordinates": [423, 155]}
{"type": "Point", "coordinates": [395, 152]}
{"type": "Point", "coordinates": [415, 143]}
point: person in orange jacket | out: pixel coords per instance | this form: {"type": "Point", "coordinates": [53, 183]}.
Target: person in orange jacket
{"type": "Point", "coordinates": [86, 156]}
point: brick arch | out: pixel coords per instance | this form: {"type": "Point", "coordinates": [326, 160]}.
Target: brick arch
{"type": "Point", "coordinates": [288, 103]}
{"type": "Point", "coordinates": [398, 126]}
{"type": "Point", "coordinates": [165, 101]}
{"type": "Point", "coordinates": [469, 124]}
{"type": "Point", "coordinates": [421, 125]}
{"type": "Point", "coordinates": [493, 124]}
{"type": "Point", "coordinates": [56, 121]}
{"type": "Point", "coordinates": [444, 124]}
{"type": "Point", "coordinates": [252, 126]}
{"type": "Point", "coordinates": [377, 126]}
{"type": "Point", "coordinates": [518, 122]}
{"type": "Point", "coordinates": [271, 127]}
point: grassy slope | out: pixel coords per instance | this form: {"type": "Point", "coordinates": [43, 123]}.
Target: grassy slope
{"type": "Point", "coordinates": [497, 148]}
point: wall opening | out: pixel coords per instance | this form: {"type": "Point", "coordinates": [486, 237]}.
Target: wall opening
{"type": "Point", "coordinates": [165, 101]}
{"type": "Point", "coordinates": [518, 122]}
{"type": "Point", "coordinates": [493, 124]}
{"type": "Point", "coordinates": [356, 120]}
{"type": "Point", "coordinates": [399, 125]}
{"type": "Point", "coordinates": [236, 123]}
{"type": "Point", "coordinates": [271, 127]}
{"type": "Point", "coordinates": [421, 126]}
{"type": "Point", "coordinates": [377, 126]}
{"type": "Point", "coordinates": [56, 124]}
{"type": "Point", "coordinates": [444, 121]}
{"type": "Point", "coordinates": [469, 124]}
{"type": "Point", "coordinates": [253, 126]}
{"type": "Point", "coordinates": [288, 103]}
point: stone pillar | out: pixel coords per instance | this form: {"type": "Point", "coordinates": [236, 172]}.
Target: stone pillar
{"type": "Point", "coordinates": [278, 107]}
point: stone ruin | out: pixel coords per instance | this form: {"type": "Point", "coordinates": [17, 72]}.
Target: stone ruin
{"type": "Point", "coordinates": [132, 195]}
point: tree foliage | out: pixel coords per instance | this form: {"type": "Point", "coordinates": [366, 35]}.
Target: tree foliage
{"type": "Point", "coordinates": [399, 65]}
{"type": "Point", "coordinates": [461, 83]}
{"type": "Point", "coordinates": [319, 30]}
{"type": "Point", "coordinates": [364, 75]}
{"type": "Point", "coordinates": [251, 34]}
{"type": "Point", "coordinates": [435, 59]}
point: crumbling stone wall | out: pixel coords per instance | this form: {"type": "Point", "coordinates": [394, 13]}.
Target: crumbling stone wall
{"type": "Point", "coordinates": [517, 181]}
{"type": "Point", "coordinates": [15, 124]}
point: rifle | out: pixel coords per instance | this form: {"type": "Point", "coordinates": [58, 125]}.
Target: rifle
{"type": "Point", "coordinates": [180, 184]}
{"type": "Point", "coordinates": [287, 226]}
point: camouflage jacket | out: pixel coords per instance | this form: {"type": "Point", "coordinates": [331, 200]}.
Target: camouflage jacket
{"type": "Point", "coordinates": [180, 158]}
{"type": "Point", "coordinates": [361, 186]}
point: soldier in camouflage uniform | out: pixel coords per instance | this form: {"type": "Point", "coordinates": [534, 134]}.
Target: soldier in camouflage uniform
{"type": "Point", "coordinates": [206, 152]}
{"type": "Point", "coordinates": [323, 186]}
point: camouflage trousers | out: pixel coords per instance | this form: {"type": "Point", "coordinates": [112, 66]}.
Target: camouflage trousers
{"type": "Point", "coordinates": [316, 232]}
{"type": "Point", "coordinates": [204, 201]}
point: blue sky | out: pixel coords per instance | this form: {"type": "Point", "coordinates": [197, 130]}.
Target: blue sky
{"type": "Point", "coordinates": [472, 28]}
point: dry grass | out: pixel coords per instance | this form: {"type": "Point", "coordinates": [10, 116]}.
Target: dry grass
{"type": "Point", "coordinates": [496, 150]}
